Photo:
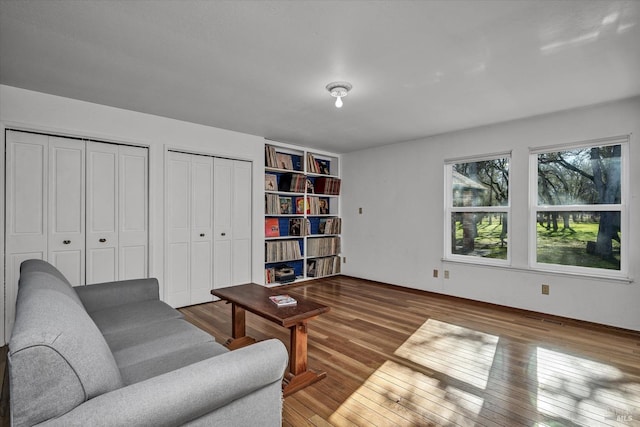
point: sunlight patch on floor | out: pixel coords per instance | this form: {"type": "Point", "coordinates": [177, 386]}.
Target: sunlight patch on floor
{"type": "Point", "coordinates": [405, 394]}
{"type": "Point", "coordinates": [584, 391]}
{"type": "Point", "coordinates": [398, 395]}
{"type": "Point", "coordinates": [461, 353]}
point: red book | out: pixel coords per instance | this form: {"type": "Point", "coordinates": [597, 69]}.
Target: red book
{"type": "Point", "coordinates": [271, 227]}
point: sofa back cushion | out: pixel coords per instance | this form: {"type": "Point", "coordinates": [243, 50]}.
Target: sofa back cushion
{"type": "Point", "coordinates": [57, 356]}
{"type": "Point", "coordinates": [41, 274]}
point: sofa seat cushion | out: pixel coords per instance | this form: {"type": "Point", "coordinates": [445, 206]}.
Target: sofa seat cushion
{"type": "Point", "coordinates": [170, 361]}
{"type": "Point", "coordinates": [133, 315]}
{"type": "Point", "coordinates": [135, 345]}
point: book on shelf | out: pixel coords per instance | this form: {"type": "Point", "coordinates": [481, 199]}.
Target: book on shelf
{"type": "Point", "coordinates": [323, 246]}
{"type": "Point", "coordinates": [310, 189]}
{"type": "Point", "coordinates": [271, 204]}
{"type": "Point", "coordinates": [302, 205]}
{"type": "Point", "coordinates": [285, 206]}
{"type": "Point", "coordinates": [270, 156]}
{"type": "Point", "coordinates": [284, 161]}
{"type": "Point", "coordinates": [320, 166]}
{"type": "Point", "coordinates": [312, 268]}
{"type": "Point", "coordinates": [323, 166]}
{"type": "Point", "coordinates": [317, 205]}
{"type": "Point", "coordinates": [312, 166]}
{"type": "Point", "coordinates": [299, 227]}
{"type": "Point", "coordinates": [292, 182]}
{"type": "Point", "coordinates": [284, 300]}
{"type": "Point", "coordinates": [323, 206]}
{"type": "Point", "coordinates": [282, 250]}
{"type": "Point", "coordinates": [327, 185]}
{"type": "Point", "coordinates": [271, 227]}
{"type": "Point", "coordinates": [330, 226]}
{"type": "Point", "coordinates": [320, 267]}
{"type": "Point", "coordinates": [270, 182]}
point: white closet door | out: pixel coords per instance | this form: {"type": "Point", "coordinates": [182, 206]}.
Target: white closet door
{"type": "Point", "coordinates": [241, 224]}
{"type": "Point", "coordinates": [208, 226]}
{"type": "Point", "coordinates": [178, 261]}
{"type": "Point", "coordinates": [66, 239]}
{"type": "Point", "coordinates": [102, 212]}
{"type": "Point", "coordinates": [232, 222]}
{"type": "Point", "coordinates": [133, 216]}
{"type": "Point", "coordinates": [26, 209]}
{"type": "Point", "coordinates": [223, 209]}
{"type": "Point", "coordinates": [201, 228]}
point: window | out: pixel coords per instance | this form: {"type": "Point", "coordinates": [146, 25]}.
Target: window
{"type": "Point", "coordinates": [578, 207]}
{"type": "Point", "coordinates": [478, 210]}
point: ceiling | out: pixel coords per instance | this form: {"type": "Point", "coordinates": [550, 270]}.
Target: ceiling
{"type": "Point", "coordinates": [418, 68]}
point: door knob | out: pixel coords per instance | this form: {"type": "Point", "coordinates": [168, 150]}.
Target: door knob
{"type": "Point", "coordinates": [66, 242]}
{"type": "Point", "coordinates": [201, 234]}
{"type": "Point", "coordinates": [223, 234]}
{"type": "Point", "coordinates": [102, 240]}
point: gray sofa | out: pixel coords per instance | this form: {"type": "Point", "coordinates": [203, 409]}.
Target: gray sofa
{"type": "Point", "coordinates": [113, 354]}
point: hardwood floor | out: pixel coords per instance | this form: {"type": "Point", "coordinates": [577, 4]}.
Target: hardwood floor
{"type": "Point", "coordinates": [399, 357]}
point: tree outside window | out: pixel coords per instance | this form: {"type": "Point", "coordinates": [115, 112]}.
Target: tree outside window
{"type": "Point", "coordinates": [478, 210]}
{"type": "Point", "coordinates": [579, 210]}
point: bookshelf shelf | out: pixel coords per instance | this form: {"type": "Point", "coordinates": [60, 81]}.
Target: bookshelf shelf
{"type": "Point", "coordinates": [302, 205]}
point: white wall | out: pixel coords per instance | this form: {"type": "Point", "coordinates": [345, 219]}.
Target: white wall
{"type": "Point", "coordinates": [398, 238]}
{"type": "Point", "coordinates": [37, 111]}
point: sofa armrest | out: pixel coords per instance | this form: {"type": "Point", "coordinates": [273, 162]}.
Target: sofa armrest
{"type": "Point", "coordinates": [111, 294]}
{"type": "Point", "coordinates": [188, 393]}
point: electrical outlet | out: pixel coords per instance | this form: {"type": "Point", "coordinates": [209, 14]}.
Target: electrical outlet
{"type": "Point", "coordinates": [446, 274]}
{"type": "Point", "coordinates": [435, 272]}
{"type": "Point", "coordinates": [545, 289]}
{"type": "Point", "coordinates": [360, 211]}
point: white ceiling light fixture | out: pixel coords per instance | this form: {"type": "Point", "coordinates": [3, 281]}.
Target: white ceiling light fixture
{"type": "Point", "coordinates": [339, 90]}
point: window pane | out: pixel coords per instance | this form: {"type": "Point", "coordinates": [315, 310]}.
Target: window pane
{"type": "Point", "coordinates": [484, 183]}
{"type": "Point", "coordinates": [480, 234]}
{"type": "Point", "coordinates": [588, 176]}
{"type": "Point", "coordinates": [583, 239]}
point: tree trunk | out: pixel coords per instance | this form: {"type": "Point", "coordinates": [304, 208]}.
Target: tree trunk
{"type": "Point", "coordinates": [606, 230]}
{"type": "Point", "coordinates": [607, 184]}
{"type": "Point", "coordinates": [503, 234]}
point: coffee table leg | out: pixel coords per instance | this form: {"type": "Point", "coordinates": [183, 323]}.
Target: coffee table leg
{"type": "Point", "coordinates": [238, 315]}
{"type": "Point", "coordinates": [238, 338]}
{"type": "Point", "coordinates": [299, 376]}
{"type": "Point", "coordinates": [298, 357]}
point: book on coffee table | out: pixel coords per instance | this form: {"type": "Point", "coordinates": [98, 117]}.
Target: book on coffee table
{"type": "Point", "coordinates": [283, 300]}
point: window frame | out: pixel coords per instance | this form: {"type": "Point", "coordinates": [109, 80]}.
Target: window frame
{"type": "Point", "coordinates": [450, 209]}
{"type": "Point", "coordinates": [622, 207]}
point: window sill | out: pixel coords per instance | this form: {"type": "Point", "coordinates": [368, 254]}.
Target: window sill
{"type": "Point", "coordinates": [538, 270]}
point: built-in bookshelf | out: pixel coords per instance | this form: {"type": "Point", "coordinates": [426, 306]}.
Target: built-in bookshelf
{"type": "Point", "coordinates": [302, 214]}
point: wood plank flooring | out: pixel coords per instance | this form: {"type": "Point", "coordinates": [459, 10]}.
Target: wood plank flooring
{"type": "Point", "coordinates": [400, 357]}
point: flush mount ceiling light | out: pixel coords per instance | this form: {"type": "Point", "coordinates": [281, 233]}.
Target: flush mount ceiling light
{"type": "Point", "coordinates": [339, 90]}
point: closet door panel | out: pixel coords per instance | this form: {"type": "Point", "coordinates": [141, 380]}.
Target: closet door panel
{"type": "Point", "coordinates": [178, 262]}
{"type": "Point", "coordinates": [223, 206]}
{"type": "Point", "coordinates": [26, 190]}
{"type": "Point", "coordinates": [241, 223]}
{"type": "Point", "coordinates": [133, 217]}
{"type": "Point", "coordinates": [102, 212]}
{"type": "Point", "coordinates": [201, 228]}
{"type": "Point", "coordinates": [178, 273]}
{"type": "Point", "coordinates": [66, 238]}
{"type": "Point", "coordinates": [223, 264]}
{"type": "Point", "coordinates": [133, 262]}
{"type": "Point", "coordinates": [25, 210]}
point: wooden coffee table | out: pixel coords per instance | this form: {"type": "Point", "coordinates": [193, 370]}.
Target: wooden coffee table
{"type": "Point", "coordinates": [255, 299]}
